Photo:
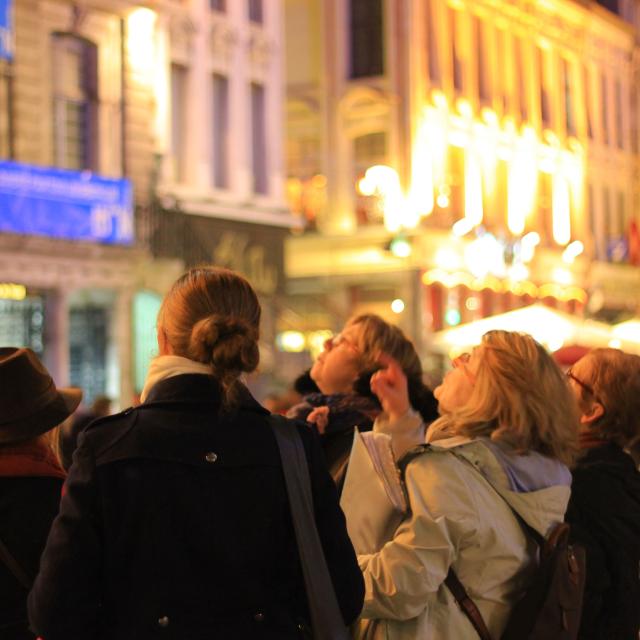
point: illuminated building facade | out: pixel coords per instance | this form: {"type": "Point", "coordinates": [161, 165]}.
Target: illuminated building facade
{"type": "Point", "coordinates": [466, 156]}
{"type": "Point", "coordinates": [159, 129]}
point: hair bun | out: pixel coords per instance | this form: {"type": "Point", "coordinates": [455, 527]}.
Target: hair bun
{"type": "Point", "coordinates": [230, 345]}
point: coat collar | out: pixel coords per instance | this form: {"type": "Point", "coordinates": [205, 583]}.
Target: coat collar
{"type": "Point", "coordinates": [197, 388]}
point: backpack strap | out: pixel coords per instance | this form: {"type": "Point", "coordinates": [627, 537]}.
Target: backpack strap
{"type": "Point", "coordinates": [12, 564]}
{"type": "Point", "coordinates": [467, 605]}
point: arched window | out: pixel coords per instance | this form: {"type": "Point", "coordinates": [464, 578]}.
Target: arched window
{"type": "Point", "coordinates": [75, 102]}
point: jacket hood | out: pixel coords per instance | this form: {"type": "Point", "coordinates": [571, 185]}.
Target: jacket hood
{"type": "Point", "coordinates": [541, 506]}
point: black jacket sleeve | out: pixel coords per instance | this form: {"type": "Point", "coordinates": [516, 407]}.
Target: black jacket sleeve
{"type": "Point", "coordinates": [341, 558]}
{"type": "Point", "coordinates": [65, 599]}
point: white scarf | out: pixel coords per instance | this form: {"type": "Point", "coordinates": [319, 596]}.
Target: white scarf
{"type": "Point", "coordinates": [164, 367]}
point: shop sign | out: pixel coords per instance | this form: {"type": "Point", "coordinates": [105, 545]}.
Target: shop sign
{"type": "Point", "coordinates": [59, 203]}
{"type": "Point", "coordinates": [256, 251]}
{"type": "Point", "coordinates": [6, 29]}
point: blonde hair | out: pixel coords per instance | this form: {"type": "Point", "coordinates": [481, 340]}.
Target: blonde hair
{"type": "Point", "coordinates": [520, 398]}
{"type": "Point", "coordinates": [212, 315]}
{"type": "Point", "coordinates": [376, 336]}
{"type": "Point", "coordinates": [614, 377]}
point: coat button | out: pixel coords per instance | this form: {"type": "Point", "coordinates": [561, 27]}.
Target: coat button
{"type": "Point", "coordinates": [259, 617]}
{"type": "Point", "coordinates": [211, 456]}
{"type": "Point", "coordinates": [163, 621]}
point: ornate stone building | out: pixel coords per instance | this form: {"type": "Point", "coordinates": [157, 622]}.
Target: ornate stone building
{"type": "Point", "coordinates": [134, 141]}
{"type": "Point", "coordinates": [466, 157]}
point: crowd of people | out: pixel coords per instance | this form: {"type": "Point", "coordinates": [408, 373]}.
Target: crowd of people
{"type": "Point", "coordinates": [175, 518]}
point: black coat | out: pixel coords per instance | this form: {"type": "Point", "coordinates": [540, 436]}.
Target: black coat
{"type": "Point", "coordinates": [604, 513]}
{"type": "Point", "coordinates": [28, 506]}
{"type": "Point", "coordinates": [176, 524]}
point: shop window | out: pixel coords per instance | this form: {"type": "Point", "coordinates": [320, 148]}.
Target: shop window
{"type": "Point", "coordinates": [22, 323]}
{"type": "Point", "coordinates": [179, 121]}
{"type": "Point", "coordinates": [220, 142]}
{"type": "Point", "coordinates": [75, 102]}
{"type": "Point", "coordinates": [435, 74]}
{"type": "Point", "coordinates": [146, 306]}
{"type": "Point", "coordinates": [366, 38]}
{"type": "Point", "coordinates": [88, 350]}
{"type": "Point", "coordinates": [368, 150]}
{"type": "Point", "coordinates": [259, 139]}
{"type": "Point", "coordinates": [569, 106]}
{"type": "Point", "coordinates": [6, 129]}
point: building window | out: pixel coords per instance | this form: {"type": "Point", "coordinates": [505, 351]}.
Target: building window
{"type": "Point", "coordinates": [365, 28]}
{"type": "Point", "coordinates": [75, 102]}
{"type": "Point", "coordinates": [218, 5]}
{"type": "Point", "coordinates": [6, 109]}
{"type": "Point", "coordinates": [259, 139]}
{"type": "Point", "coordinates": [634, 120]}
{"type": "Point", "coordinates": [588, 106]}
{"type": "Point", "coordinates": [604, 101]}
{"type": "Point", "coordinates": [220, 102]}
{"type": "Point", "coordinates": [456, 54]}
{"type": "Point", "coordinates": [619, 116]}
{"type": "Point", "coordinates": [545, 95]}
{"type": "Point", "coordinates": [432, 44]}
{"type": "Point", "coordinates": [502, 78]}
{"type": "Point", "coordinates": [368, 150]}
{"type": "Point", "coordinates": [482, 61]}
{"type": "Point", "coordinates": [256, 13]}
{"type": "Point", "coordinates": [179, 121]}
{"type": "Point", "coordinates": [569, 106]}
{"type": "Point", "coordinates": [519, 69]}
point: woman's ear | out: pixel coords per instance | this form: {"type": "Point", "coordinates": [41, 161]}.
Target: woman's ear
{"type": "Point", "coordinates": [164, 348]}
{"type": "Point", "coordinates": [595, 411]}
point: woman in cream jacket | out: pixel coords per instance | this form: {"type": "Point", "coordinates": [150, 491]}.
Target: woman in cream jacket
{"type": "Point", "coordinates": [504, 441]}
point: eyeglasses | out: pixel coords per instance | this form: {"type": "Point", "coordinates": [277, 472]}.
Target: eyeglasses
{"type": "Point", "coordinates": [335, 341]}
{"type": "Point", "coordinates": [461, 363]}
{"type": "Point", "coordinates": [569, 374]}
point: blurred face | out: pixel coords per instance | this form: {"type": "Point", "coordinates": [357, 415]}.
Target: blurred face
{"type": "Point", "coordinates": [459, 382]}
{"type": "Point", "coordinates": [578, 375]}
{"type": "Point", "coordinates": [337, 367]}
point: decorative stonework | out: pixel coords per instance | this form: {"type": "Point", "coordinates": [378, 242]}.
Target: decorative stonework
{"type": "Point", "coordinates": [182, 31]}
{"type": "Point", "coordinates": [223, 40]}
{"type": "Point", "coordinates": [261, 51]}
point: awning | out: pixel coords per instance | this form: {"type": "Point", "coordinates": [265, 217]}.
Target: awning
{"type": "Point", "coordinates": [554, 329]}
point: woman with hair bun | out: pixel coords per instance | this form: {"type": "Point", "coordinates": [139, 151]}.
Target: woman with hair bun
{"type": "Point", "coordinates": [176, 522]}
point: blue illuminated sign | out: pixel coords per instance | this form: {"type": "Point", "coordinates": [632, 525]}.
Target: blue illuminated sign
{"type": "Point", "coordinates": [65, 204]}
{"type": "Point", "coordinates": [6, 29]}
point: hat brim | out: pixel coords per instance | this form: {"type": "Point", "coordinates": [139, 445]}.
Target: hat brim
{"type": "Point", "coordinates": [44, 419]}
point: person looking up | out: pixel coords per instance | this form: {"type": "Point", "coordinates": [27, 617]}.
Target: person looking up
{"type": "Point", "coordinates": [343, 373]}
{"type": "Point", "coordinates": [604, 509]}
{"type": "Point", "coordinates": [503, 443]}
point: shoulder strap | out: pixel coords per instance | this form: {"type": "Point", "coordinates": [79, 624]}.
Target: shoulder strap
{"type": "Point", "coordinates": [467, 605]}
{"type": "Point", "coordinates": [12, 564]}
{"type": "Point", "coordinates": [326, 619]}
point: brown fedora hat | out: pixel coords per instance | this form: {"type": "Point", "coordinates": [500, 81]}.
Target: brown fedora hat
{"type": "Point", "coordinates": [30, 403]}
